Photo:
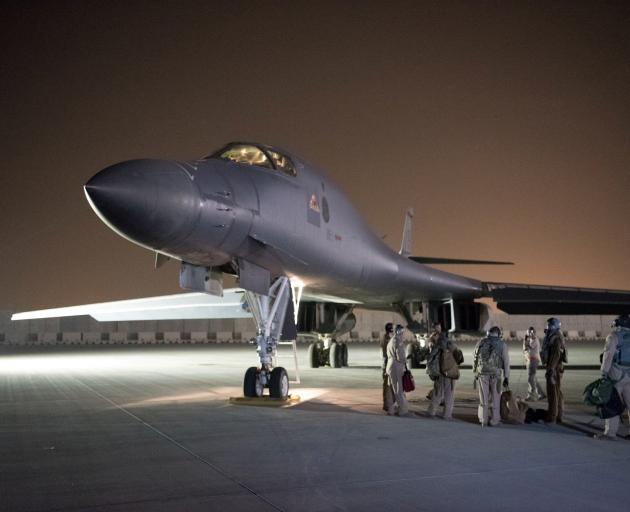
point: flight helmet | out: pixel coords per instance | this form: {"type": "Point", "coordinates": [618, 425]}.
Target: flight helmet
{"type": "Point", "coordinates": [622, 321]}
{"type": "Point", "coordinates": [495, 332]}
{"type": "Point", "coordinates": [553, 325]}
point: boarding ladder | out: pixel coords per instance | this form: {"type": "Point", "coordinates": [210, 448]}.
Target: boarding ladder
{"type": "Point", "coordinates": [278, 356]}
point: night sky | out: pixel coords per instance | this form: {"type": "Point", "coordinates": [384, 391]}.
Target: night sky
{"type": "Point", "coordinates": [505, 124]}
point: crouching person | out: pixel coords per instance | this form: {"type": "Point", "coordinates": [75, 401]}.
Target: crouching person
{"type": "Point", "coordinates": [396, 359]}
{"type": "Point", "coordinates": [490, 359]}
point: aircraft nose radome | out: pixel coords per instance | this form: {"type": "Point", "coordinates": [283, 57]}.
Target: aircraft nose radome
{"type": "Point", "coordinates": [151, 202]}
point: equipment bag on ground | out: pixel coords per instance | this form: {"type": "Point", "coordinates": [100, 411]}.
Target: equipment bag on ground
{"type": "Point", "coordinates": [512, 410]}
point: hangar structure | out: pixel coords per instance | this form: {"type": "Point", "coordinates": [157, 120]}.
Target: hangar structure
{"type": "Point", "coordinates": [83, 330]}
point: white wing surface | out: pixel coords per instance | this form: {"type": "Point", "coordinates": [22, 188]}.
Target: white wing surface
{"type": "Point", "coordinates": [183, 306]}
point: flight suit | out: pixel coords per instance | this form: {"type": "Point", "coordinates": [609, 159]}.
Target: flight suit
{"type": "Point", "coordinates": [489, 384]}
{"type": "Point", "coordinates": [395, 368]}
{"type": "Point", "coordinates": [553, 375]}
{"type": "Point", "coordinates": [443, 387]}
{"type": "Point", "coordinates": [531, 348]}
{"type": "Point", "coordinates": [388, 394]}
{"type": "Point", "coordinates": [619, 374]}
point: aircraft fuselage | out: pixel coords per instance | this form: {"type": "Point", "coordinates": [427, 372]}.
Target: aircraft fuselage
{"type": "Point", "coordinates": [212, 211]}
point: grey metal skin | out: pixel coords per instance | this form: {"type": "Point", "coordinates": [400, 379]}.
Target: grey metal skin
{"type": "Point", "coordinates": [212, 211]}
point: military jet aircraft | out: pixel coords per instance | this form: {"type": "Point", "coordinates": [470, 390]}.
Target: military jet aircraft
{"type": "Point", "coordinates": [302, 254]}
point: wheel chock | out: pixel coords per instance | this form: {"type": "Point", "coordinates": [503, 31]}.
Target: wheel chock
{"type": "Point", "coordinates": [265, 401]}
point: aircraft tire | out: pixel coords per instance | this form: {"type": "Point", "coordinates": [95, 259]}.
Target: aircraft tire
{"type": "Point", "coordinates": [250, 383]}
{"type": "Point", "coordinates": [344, 354]}
{"type": "Point", "coordinates": [334, 356]}
{"type": "Point", "coordinates": [313, 355]}
{"type": "Point", "coordinates": [412, 355]}
{"type": "Point", "coordinates": [279, 383]}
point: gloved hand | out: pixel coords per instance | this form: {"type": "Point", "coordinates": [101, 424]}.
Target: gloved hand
{"type": "Point", "coordinates": [506, 383]}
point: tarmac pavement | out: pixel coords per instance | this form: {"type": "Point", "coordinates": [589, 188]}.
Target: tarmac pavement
{"type": "Point", "coordinates": [151, 428]}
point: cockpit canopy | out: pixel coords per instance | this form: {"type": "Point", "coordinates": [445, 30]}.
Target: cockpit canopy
{"type": "Point", "coordinates": [256, 154]}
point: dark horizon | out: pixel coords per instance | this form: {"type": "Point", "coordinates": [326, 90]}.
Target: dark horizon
{"type": "Point", "coordinates": [506, 127]}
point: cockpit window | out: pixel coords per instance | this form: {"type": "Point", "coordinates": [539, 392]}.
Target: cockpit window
{"type": "Point", "coordinates": [245, 154]}
{"type": "Point", "coordinates": [283, 163]}
{"type": "Point", "coordinates": [262, 156]}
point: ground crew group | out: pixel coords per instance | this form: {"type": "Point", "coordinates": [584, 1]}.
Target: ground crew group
{"type": "Point", "coordinates": [491, 368]}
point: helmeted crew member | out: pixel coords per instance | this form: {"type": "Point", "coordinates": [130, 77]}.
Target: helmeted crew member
{"type": "Point", "coordinates": [531, 350]}
{"type": "Point", "coordinates": [395, 368]}
{"type": "Point", "coordinates": [490, 358]}
{"type": "Point", "coordinates": [616, 366]}
{"type": "Point", "coordinates": [388, 394]}
{"type": "Point", "coordinates": [554, 355]}
{"type": "Point", "coordinates": [443, 387]}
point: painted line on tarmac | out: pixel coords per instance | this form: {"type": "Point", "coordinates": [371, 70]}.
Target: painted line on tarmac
{"type": "Point", "coordinates": [179, 445]}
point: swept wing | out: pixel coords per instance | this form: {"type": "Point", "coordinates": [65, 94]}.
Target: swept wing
{"type": "Point", "coordinates": [183, 306]}
{"type": "Point", "coordinates": [529, 299]}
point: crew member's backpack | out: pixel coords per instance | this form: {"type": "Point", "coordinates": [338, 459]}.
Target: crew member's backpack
{"type": "Point", "coordinates": [448, 364]}
{"type": "Point", "coordinates": [489, 362]}
{"type": "Point", "coordinates": [458, 355]}
{"type": "Point", "coordinates": [622, 355]}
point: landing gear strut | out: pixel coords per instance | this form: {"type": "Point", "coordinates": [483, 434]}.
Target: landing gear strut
{"type": "Point", "coordinates": [269, 313]}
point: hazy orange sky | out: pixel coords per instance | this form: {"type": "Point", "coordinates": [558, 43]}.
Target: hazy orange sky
{"type": "Point", "coordinates": [505, 124]}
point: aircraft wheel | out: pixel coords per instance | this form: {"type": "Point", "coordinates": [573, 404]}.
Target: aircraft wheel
{"type": "Point", "coordinates": [334, 356]}
{"type": "Point", "coordinates": [344, 354]}
{"type": "Point", "coordinates": [412, 355]}
{"type": "Point", "coordinates": [252, 386]}
{"type": "Point", "coordinates": [313, 355]}
{"type": "Point", "coordinates": [279, 383]}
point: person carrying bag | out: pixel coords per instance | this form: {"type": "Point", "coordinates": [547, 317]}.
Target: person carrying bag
{"type": "Point", "coordinates": [443, 369]}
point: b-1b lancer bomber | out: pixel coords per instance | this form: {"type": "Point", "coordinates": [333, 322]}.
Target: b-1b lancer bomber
{"type": "Point", "coordinates": [302, 254]}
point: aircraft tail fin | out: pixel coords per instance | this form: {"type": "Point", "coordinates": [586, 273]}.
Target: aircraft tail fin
{"type": "Point", "coordinates": [405, 246]}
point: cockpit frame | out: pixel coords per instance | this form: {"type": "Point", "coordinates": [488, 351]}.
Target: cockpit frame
{"type": "Point", "coordinates": [273, 159]}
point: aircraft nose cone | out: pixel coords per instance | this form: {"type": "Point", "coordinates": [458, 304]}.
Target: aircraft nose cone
{"type": "Point", "coordinates": [151, 202]}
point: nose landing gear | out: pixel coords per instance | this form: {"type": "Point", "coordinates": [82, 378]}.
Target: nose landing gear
{"type": "Point", "coordinates": [269, 313]}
